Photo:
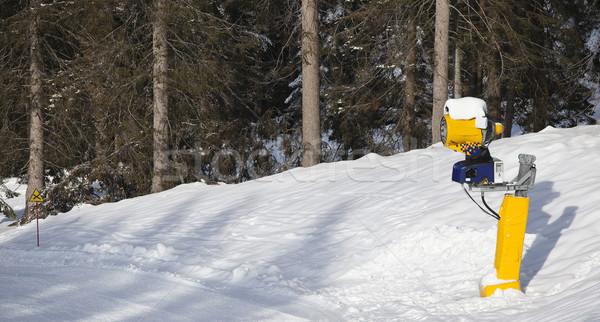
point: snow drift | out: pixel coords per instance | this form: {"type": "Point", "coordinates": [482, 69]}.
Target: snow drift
{"type": "Point", "coordinates": [379, 238]}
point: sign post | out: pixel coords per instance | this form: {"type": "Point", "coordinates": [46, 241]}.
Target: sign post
{"type": "Point", "coordinates": [37, 198]}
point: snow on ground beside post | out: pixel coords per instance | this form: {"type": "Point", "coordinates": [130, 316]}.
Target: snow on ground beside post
{"type": "Point", "coordinates": [16, 203]}
{"type": "Point", "coordinates": [379, 238]}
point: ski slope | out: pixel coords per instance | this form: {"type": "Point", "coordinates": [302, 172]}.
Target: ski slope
{"type": "Point", "coordinates": [379, 238]}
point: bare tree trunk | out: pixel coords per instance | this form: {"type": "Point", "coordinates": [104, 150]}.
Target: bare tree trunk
{"type": "Point", "coordinates": [492, 90]}
{"type": "Point", "coordinates": [480, 56]}
{"type": "Point", "coordinates": [479, 78]}
{"type": "Point", "coordinates": [458, 54]}
{"type": "Point", "coordinates": [311, 120]}
{"type": "Point", "coordinates": [540, 110]}
{"type": "Point", "coordinates": [510, 112]}
{"type": "Point", "coordinates": [494, 68]}
{"type": "Point", "coordinates": [411, 65]}
{"type": "Point", "coordinates": [161, 99]}
{"type": "Point", "coordinates": [35, 172]}
{"type": "Point", "coordinates": [440, 72]}
{"type": "Point", "coordinates": [101, 124]}
{"type": "Point", "coordinates": [457, 69]}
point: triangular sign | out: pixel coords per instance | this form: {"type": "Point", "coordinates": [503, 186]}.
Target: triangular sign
{"type": "Point", "coordinates": [36, 196]}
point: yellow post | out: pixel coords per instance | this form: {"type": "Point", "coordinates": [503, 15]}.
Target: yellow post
{"type": "Point", "coordinates": [509, 246]}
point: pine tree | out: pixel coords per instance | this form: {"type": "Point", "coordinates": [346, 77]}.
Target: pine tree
{"type": "Point", "coordinates": [311, 121]}
{"type": "Point", "coordinates": [410, 102]}
{"type": "Point", "coordinates": [161, 99]}
{"type": "Point", "coordinates": [440, 74]}
{"type": "Point", "coordinates": [35, 173]}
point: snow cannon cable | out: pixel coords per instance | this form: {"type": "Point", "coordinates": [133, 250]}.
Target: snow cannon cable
{"type": "Point", "coordinates": [490, 212]}
{"type": "Point", "coordinates": [466, 128]}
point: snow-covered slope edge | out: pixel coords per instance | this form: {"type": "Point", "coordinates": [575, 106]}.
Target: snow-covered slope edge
{"type": "Point", "coordinates": [377, 238]}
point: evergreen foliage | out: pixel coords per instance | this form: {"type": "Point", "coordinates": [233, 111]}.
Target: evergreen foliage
{"type": "Point", "coordinates": [234, 83]}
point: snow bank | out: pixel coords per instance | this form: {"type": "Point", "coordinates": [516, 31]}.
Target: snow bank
{"type": "Point", "coordinates": [379, 238]}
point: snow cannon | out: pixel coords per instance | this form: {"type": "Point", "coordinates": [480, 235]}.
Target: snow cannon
{"type": "Point", "coordinates": [466, 128]}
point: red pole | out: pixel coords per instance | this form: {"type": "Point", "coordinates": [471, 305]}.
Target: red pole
{"type": "Point", "coordinates": [37, 220]}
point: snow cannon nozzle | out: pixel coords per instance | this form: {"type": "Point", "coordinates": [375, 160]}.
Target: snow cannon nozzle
{"type": "Point", "coordinates": [466, 128]}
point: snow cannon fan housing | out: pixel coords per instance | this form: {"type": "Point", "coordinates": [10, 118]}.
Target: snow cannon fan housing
{"type": "Point", "coordinates": [466, 128]}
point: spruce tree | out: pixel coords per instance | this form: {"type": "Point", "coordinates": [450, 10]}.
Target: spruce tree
{"type": "Point", "coordinates": [440, 73]}
{"type": "Point", "coordinates": [311, 120]}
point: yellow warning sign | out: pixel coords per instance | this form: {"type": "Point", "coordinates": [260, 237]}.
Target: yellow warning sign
{"type": "Point", "coordinates": [36, 196]}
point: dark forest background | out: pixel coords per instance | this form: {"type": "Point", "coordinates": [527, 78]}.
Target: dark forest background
{"type": "Point", "coordinates": [234, 85]}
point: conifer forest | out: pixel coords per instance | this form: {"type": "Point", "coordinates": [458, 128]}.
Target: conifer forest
{"type": "Point", "coordinates": [103, 100]}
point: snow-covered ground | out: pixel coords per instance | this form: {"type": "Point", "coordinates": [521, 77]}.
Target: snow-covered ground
{"type": "Point", "coordinates": [380, 238]}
